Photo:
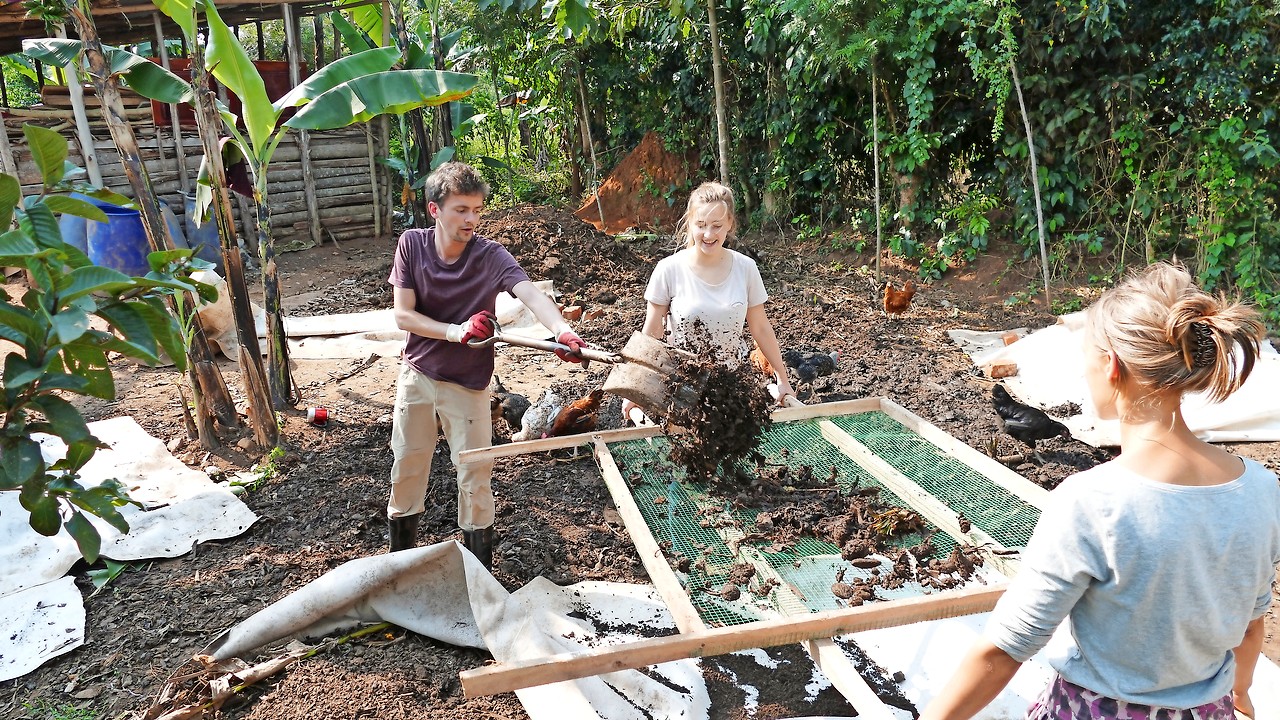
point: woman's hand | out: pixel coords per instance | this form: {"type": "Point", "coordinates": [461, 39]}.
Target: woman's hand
{"type": "Point", "coordinates": [784, 391]}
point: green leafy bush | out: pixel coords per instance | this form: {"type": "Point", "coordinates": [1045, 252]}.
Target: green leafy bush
{"type": "Point", "coordinates": [60, 354]}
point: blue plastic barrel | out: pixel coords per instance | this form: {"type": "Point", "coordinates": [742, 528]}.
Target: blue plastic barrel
{"type": "Point", "coordinates": [205, 237]}
{"type": "Point", "coordinates": [120, 243]}
{"type": "Point", "coordinates": [73, 232]}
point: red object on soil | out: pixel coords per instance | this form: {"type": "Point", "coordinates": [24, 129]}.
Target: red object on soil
{"type": "Point", "coordinates": [318, 416]}
{"type": "Point", "coordinates": [647, 190]}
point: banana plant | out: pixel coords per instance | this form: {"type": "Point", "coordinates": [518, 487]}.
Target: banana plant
{"type": "Point", "coordinates": [351, 90]}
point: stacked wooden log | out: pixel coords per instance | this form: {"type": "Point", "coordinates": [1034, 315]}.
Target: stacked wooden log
{"type": "Point", "coordinates": [343, 171]}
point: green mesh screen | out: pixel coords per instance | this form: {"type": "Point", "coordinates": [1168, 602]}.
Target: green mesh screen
{"type": "Point", "coordinates": [1001, 514]}
{"type": "Point", "coordinates": [694, 528]}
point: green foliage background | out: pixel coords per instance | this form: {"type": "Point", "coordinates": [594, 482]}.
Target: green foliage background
{"type": "Point", "coordinates": [1154, 122]}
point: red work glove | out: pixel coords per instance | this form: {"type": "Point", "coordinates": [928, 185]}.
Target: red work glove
{"type": "Point", "coordinates": [575, 343]}
{"type": "Point", "coordinates": [479, 327]}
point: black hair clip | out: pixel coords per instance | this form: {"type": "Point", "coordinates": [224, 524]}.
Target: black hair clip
{"type": "Point", "coordinates": [1206, 351]}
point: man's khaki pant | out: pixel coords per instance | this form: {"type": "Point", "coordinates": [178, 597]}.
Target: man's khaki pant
{"type": "Point", "coordinates": [464, 415]}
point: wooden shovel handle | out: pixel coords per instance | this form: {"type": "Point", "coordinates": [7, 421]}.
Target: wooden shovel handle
{"type": "Point", "coordinates": [537, 344]}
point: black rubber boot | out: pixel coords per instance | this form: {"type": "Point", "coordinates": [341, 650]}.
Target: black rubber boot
{"type": "Point", "coordinates": [404, 531]}
{"type": "Point", "coordinates": [480, 543]}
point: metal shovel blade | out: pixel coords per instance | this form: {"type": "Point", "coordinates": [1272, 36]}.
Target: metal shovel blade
{"type": "Point", "coordinates": [648, 376]}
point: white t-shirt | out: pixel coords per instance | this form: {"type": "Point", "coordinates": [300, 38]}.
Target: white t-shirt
{"type": "Point", "coordinates": [722, 307]}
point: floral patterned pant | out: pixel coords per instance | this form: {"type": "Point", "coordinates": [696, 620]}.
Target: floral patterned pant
{"type": "Point", "coordinates": [1066, 701]}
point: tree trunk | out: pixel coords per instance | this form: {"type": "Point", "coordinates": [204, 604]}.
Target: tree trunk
{"type": "Point", "coordinates": [595, 166]}
{"type": "Point", "coordinates": [416, 123]}
{"type": "Point", "coordinates": [278, 377]}
{"type": "Point", "coordinates": [722, 125]}
{"type": "Point", "coordinates": [1035, 182]}
{"type": "Point", "coordinates": [444, 116]}
{"type": "Point", "coordinates": [875, 154]}
{"type": "Point", "coordinates": [261, 417]}
{"type": "Point", "coordinates": [211, 395]}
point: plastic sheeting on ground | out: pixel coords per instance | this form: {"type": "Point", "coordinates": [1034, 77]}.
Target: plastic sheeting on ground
{"type": "Point", "coordinates": [1050, 374]}
{"type": "Point", "coordinates": [443, 592]}
{"type": "Point", "coordinates": [181, 507]}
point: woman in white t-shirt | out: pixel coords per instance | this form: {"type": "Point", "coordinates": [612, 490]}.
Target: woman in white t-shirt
{"type": "Point", "coordinates": [706, 290]}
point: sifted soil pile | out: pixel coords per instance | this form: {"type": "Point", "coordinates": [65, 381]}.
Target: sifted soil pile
{"type": "Point", "coordinates": [646, 191]}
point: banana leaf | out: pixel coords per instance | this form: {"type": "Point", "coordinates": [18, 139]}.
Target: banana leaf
{"type": "Point", "coordinates": [394, 91]}
{"type": "Point", "coordinates": [351, 36]}
{"type": "Point", "coordinates": [229, 63]}
{"type": "Point", "coordinates": [182, 12]}
{"type": "Point", "coordinates": [143, 76]}
{"type": "Point", "coordinates": [336, 73]}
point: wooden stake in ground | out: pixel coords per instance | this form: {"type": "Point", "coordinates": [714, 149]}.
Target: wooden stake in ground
{"type": "Point", "coordinates": [717, 80]}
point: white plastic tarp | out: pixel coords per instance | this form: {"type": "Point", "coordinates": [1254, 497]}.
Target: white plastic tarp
{"type": "Point", "coordinates": [1050, 374]}
{"type": "Point", "coordinates": [443, 592]}
{"type": "Point", "coordinates": [181, 507]}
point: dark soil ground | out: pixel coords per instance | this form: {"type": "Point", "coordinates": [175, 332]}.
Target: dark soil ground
{"type": "Point", "coordinates": [326, 504]}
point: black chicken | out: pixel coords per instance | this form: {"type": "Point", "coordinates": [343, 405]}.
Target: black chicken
{"type": "Point", "coordinates": [507, 405]}
{"type": "Point", "coordinates": [810, 366]}
{"type": "Point", "coordinates": [1023, 422]}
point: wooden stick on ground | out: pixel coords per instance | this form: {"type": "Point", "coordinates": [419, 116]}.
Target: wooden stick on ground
{"type": "Point", "coordinates": [494, 679]}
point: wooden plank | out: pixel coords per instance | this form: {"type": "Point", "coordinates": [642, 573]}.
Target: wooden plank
{"type": "Point", "coordinates": [493, 679]}
{"type": "Point", "coordinates": [923, 502]}
{"type": "Point", "coordinates": [808, 412]}
{"type": "Point", "coordinates": [844, 676]}
{"type": "Point", "coordinates": [655, 563]}
{"type": "Point", "coordinates": [1023, 488]}
{"type": "Point", "coordinates": [514, 449]}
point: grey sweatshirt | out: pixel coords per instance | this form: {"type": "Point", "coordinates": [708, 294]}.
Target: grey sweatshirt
{"type": "Point", "coordinates": [1157, 582]}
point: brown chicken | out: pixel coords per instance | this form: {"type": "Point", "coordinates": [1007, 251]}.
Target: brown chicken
{"type": "Point", "coordinates": [898, 301]}
{"type": "Point", "coordinates": [578, 416]}
{"type": "Point", "coordinates": [760, 362]}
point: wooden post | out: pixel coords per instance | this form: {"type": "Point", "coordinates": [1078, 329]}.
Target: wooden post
{"type": "Point", "coordinates": [6, 153]}
{"type": "Point", "coordinates": [262, 47]}
{"type": "Point", "coordinates": [294, 46]}
{"type": "Point", "coordinates": [370, 134]}
{"type": "Point", "coordinates": [4, 92]}
{"type": "Point", "coordinates": [75, 88]}
{"type": "Point", "coordinates": [183, 177]}
{"type": "Point", "coordinates": [717, 81]}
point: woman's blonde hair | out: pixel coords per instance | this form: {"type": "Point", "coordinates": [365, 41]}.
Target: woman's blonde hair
{"type": "Point", "coordinates": [705, 194]}
{"type": "Point", "coordinates": [1168, 334]}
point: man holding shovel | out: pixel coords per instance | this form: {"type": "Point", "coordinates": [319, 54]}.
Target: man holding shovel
{"type": "Point", "coordinates": [446, 282]}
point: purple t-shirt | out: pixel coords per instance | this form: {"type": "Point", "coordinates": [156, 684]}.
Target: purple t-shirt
{"type": "Point", "coordinates": [452, 294]}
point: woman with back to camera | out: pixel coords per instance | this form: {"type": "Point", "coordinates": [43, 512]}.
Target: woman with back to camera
{"type": "Point", "coordinates": [706, 284]}
{"type": "Point", "coordinates": [1162, 559]}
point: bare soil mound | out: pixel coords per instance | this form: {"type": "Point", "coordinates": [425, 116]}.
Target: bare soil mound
{"type": "Point", "coordinates": [645, 191]}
